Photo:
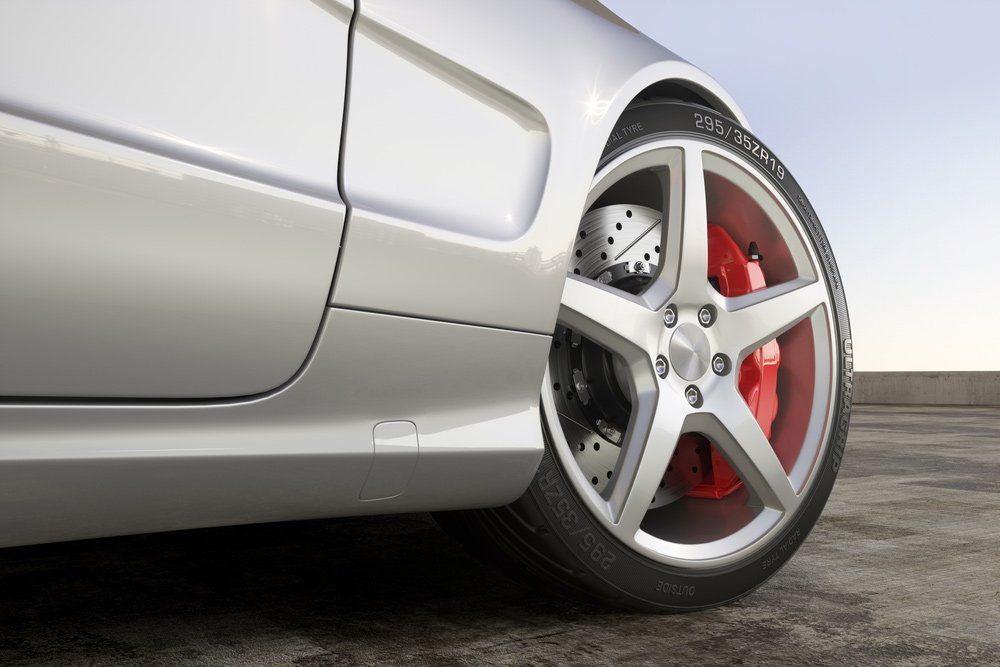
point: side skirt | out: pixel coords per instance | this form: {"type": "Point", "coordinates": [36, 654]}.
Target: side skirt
{"type": "Point", "coordinates": [82, 471]}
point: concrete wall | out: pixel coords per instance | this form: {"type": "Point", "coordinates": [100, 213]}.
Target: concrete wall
{"type": "Point", "coordinates": [928, 388]}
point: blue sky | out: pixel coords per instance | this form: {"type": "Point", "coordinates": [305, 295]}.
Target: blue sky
{"type": "Point", "coordinates": [888, 114]}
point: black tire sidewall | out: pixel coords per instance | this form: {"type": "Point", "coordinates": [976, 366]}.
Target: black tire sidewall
{"type": "Point", "coordinates": [612, 570]}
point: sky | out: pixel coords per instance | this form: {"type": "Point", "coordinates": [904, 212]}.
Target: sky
{"type": "Point", "coordinates": [888, 115]}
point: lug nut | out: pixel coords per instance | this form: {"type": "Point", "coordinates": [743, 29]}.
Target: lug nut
{"type": "Point", "coordinates": [661, 366]}
{"type": "Point", "coordinates": [693, 396]}
{"type": "Point", "coordinates": [720, 364]}
{"type": "Point", "coordinates": [706, 316]}
{"type": "Point", "coordinates": [670, 316]}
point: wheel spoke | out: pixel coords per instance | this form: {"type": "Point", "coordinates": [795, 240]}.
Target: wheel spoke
{"type": "Point", "coordinates": [685, 236]}
{"type": "Point", "coordinates": [758, 317]}
{"type": "Point", "coordinates": [615, 319]}
{"type": "Point", "coordinates": [656, 425]}
{"type": "Point", "coordinates": [733, 428]}
{"type": "Point", "coordinates": [658, 292]}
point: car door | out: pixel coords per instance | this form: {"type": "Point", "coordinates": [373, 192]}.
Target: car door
{"type": "Point", "coordinates": [169, 211]}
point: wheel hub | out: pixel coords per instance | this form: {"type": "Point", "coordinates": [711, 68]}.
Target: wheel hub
{"type": "Point", "coordinates": [690, 352]}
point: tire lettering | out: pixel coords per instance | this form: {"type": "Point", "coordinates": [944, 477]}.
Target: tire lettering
{"type": "Point", "coordinates": [740, 139]}
{"type": "Point", "coordinates": [781, 551]}
{"type": "Point", "coordinates": [623, 132]}
{"type": "Point", "coordinates": [598, 551]}
{"type": "Point", "coordinates": [675, 590]}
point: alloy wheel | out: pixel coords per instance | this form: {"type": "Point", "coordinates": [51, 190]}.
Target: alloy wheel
{"type": "Point", "coordinates": [653, 406]}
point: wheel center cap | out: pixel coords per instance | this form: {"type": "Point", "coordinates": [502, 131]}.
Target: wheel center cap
{"type": "Point", "coordinates": [689, 351]}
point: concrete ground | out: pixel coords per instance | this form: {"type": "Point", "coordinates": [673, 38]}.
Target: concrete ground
{"type": "Point", "coordinates": [903, 568]}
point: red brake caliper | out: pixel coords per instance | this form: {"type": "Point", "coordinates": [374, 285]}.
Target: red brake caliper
{"type": "Point", "coordinates": [758, 380]}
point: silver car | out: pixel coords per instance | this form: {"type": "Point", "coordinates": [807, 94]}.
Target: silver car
{"type": "Point", "coordinates": [511, 262]}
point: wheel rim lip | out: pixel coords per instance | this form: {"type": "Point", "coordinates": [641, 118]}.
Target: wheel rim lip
{"type": "Point", "coordinates": [768, 523]}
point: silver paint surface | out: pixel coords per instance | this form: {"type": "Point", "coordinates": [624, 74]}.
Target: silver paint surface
{"type": "Point", "coordinates": [169, 216]}
{"type": "Point", "coordinates": [192, 189]}
{"type": "Point", "coordinates": [81, 471]}
{"type": "Point", "coordinates": [129, 275]}
{"type": "Point", "coordinates": [472, 135]}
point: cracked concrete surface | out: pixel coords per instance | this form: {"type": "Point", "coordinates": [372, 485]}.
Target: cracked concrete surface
{"type": "Point", "coordinates": [903, 568]}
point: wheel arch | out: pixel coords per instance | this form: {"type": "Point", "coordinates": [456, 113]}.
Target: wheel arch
{"type": "Point", "coordinates": [685, 90]}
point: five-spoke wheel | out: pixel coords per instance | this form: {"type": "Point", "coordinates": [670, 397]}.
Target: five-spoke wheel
{"type": "Point", "coordinates": [678, 318]}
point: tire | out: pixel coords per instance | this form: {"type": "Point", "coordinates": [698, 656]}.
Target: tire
{"type": "Point", "coordinates": [551, 534]}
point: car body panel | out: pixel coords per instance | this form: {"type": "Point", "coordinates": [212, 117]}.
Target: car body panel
{"type": "Point", "coordinates": [249, 87]}
{"type": "Point", "coordinates": [79, 471]}
{"type": "Point", "coordinates": [442, 306]}
{"type": "Point", "coordinates": [129, 275]}
{"type": "Point", "coordinates": [171, 217]}
{"type": "Point", "coordinates": [485, 87]}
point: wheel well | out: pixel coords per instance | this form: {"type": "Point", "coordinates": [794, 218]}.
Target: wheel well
{"type": "Point", "coordinates": [683, 91]}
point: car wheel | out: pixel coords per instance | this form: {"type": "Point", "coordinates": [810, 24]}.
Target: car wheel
{"type": "Point", "coordinates": [698, 389]}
